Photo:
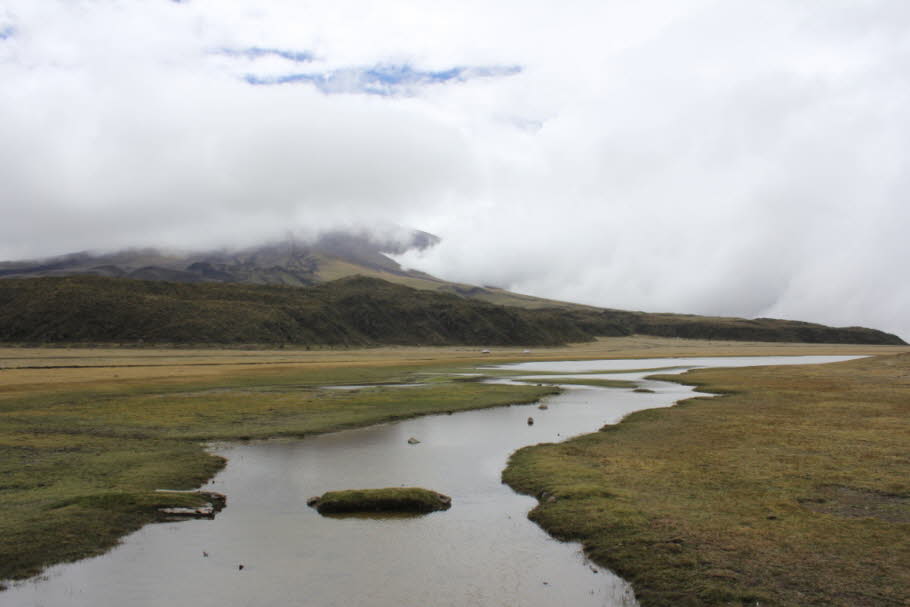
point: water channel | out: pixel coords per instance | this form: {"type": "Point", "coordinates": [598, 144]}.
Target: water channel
{"type": "Point", "coordinates": [483, 551]}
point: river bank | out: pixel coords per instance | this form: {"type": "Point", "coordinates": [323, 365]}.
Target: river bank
{"type": "Point", "coordinates": [791, 489]}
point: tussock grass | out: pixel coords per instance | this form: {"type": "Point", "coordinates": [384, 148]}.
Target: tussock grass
{"type": "Point", "coordinates": [793, 489]}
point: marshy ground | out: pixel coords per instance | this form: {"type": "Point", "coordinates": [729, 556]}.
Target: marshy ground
{"type": "Point", "coordinates": [791, 489]}
{"type": "Point", "coordinates": [88, 435]}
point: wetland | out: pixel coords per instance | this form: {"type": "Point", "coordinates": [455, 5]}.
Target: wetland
{"type": "Point", "coordinates": [279, 478]}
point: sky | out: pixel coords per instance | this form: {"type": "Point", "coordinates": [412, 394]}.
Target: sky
{"type": "Point", "coordinates": [715, 157]}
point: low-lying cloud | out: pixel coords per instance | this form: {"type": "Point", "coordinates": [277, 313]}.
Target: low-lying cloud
{"type": "Point", "coordinates": [734, 158]}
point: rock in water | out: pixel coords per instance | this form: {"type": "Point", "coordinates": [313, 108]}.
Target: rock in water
{"type": "Point", "coordinates": [215, 503]}
{"type": "Point", "coordinates": [530, 421]}
{"type": "Point", "coordinates": [413, 441]}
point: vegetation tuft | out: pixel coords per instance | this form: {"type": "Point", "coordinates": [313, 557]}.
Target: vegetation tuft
{"type": "Point", "coordinates": [390, 499]}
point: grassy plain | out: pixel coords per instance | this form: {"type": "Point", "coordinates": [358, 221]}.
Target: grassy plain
{"type": "Point", "coordinates": [87, 435]}
{"type": "Point", "coordinates": [791, 489]}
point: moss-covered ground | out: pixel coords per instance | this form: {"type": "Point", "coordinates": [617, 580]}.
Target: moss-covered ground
{"type": "Point", "coordinates": [791, 489]}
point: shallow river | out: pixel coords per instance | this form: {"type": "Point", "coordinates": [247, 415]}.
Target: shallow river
{"type": "Point", "coordinates": [482, 552]}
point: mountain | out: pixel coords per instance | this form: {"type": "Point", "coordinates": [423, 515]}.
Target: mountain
{"type": "Point", "coordinates": [291, 262]}
{"type": "Point", "coordinates": [340, 288]}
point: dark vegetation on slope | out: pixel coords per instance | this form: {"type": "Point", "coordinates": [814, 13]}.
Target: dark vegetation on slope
{"type": "Point", "coordinates": [355, 311]}
{"type": "Point", "coordinates": [348, 312]}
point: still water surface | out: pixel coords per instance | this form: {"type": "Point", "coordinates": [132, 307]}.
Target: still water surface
{"type": "Point", "coordinates": [483, 551]}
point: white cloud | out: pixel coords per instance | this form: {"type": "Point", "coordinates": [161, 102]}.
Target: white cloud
{"type": "Point", "coordinates": [716, 157]}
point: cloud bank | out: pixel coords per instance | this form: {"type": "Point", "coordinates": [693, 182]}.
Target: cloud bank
{"type": "Point", "coordinates": [733, 157]}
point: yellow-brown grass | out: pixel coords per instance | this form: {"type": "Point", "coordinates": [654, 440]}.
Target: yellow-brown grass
{"type": "Point", "coordinates": [45, 368]}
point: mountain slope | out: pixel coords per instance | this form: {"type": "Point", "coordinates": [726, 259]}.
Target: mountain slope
{"type": "Point", "coordinates": [185, 315]}
{"type": "Point", "coordinates": [353, 311]}
{"type": "Point", "coordinates": [292, 261]}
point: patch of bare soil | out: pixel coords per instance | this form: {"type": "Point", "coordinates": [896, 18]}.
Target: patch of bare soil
{"type": "Point", "coordinates": [853, 502]}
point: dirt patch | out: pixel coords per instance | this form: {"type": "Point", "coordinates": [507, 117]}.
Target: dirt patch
{"type": "Point", "coordinates": [853, 502]}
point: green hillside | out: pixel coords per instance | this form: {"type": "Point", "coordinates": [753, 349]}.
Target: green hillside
{"type": "Point", "coordinates": [350, 312]}
{"type": "Point", "coordinates": [355, 311]}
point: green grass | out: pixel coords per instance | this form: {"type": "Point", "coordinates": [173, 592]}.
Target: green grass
{"type": "Point", "coordinates": [80, 466]}
{"type": "Point", "coordinates": [792, 489]}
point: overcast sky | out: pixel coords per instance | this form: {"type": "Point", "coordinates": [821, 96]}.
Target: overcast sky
{"type": "Point", "coordinates": [719, 157]}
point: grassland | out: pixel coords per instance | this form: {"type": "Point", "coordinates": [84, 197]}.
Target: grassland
{"type": "Point", "coordinates": [791, 489]}
{"type": "Point", "coordinates": [88, 434]}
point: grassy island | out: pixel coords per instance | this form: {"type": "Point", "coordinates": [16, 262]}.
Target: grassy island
{"type": "Point", "coordinates": [792, 489]}
{"type": "Point", "coordinates": [390, 499]}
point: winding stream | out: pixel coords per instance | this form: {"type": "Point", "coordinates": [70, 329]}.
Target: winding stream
{"type": "Point", "coordinates": [483, 551]}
